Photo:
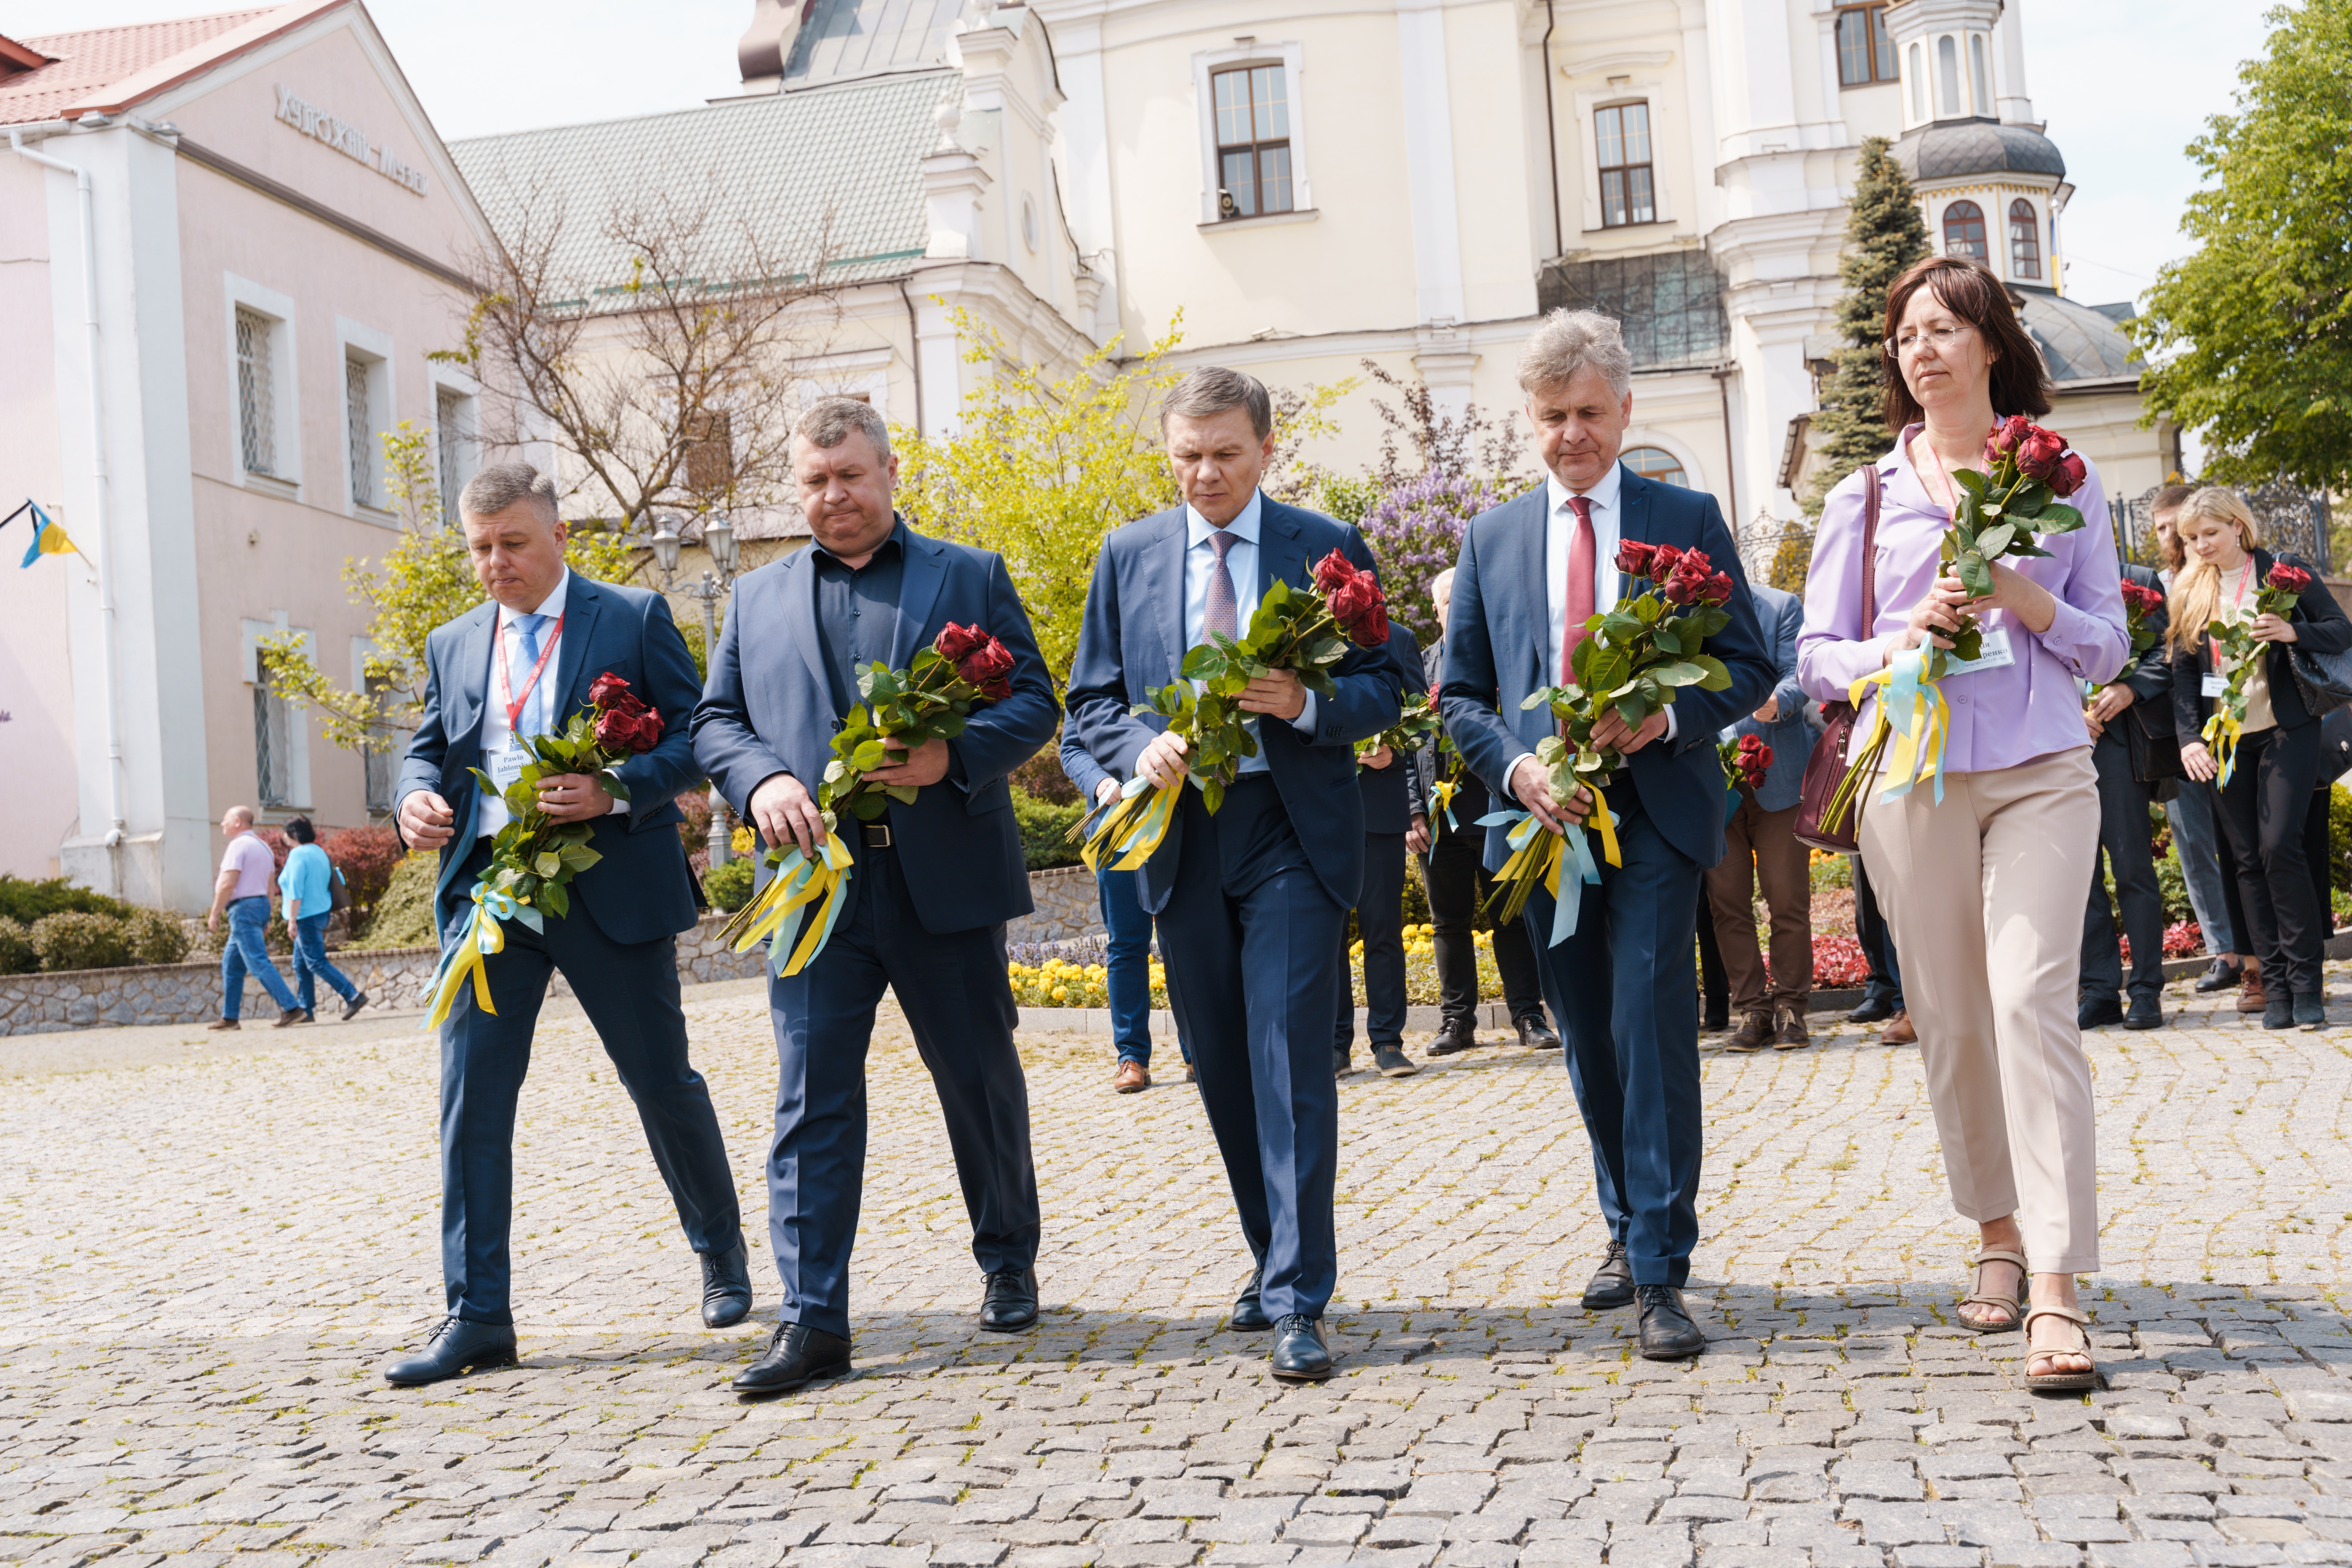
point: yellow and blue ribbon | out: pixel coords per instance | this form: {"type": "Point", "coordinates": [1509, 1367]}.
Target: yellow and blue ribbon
{"type": "Point", "coordinates": [1133, 837]}
{"type": "Point", "coordinates": [49, 539]}
{"type": "Point", "coordinates": [1539, 855]}
{"type": "Point", "coordinates": [798, 881]}
{"type": "Point", "coordinates": [2221, 733]}
{"type": "Point", "coordinates": [1441, 795]}
{"type": "Point", "coordinates": [1911, 703]}
{"type": "Point", "coordinates": [468, 958]}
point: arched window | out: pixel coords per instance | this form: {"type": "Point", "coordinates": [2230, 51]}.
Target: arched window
{"type": "Point", "coordinates": [1918, 84]}
{"type": "Point", "coordinates": [1979, 81]}
{"type": "Point", "coordinates": [1947, 76]}
{"type": "Point", "coordinates": [1655, 463]}
{"type": "Point", "coordinates": [2024, 239]}
{"type": "Point", "coordinates": [1964, 231]}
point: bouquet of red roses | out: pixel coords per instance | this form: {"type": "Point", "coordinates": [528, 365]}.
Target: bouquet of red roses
{"type": "Point", "coordinates": [931, 700]}
{"type": "Point", "coordinates": [2236, 649]}
{"type": "Point", "coordinates": [534, 858]}
{"type": "Point", "coordinates": [1745, 762]}
{"type": "Point", "coordinates": [2141, 605]}
{"type": "Point", "coordinates": [1307, 630]}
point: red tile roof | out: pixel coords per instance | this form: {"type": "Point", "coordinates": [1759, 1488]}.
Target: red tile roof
{"type": "Point", "coordinates": [89, 62]}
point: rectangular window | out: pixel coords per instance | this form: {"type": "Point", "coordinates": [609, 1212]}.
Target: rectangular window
{"type": "Point", "coordinates": [1253, 141]}
{"type": "Point", "coordinates": [1627, 194]}
{"type": "Point", "coordinates": [449, 446]}
{"type": "Point", "coordinates": [1866, 54]}
{"type": "Point", "coordinates": [381, 756]}
{"type": "Point", "coordinates": [360, 433]}
{"type": "Point", "coordinates": [273, 742]}
{"type": "Point", "coordinates": [257, 408]}
{"type": "Point", "coordinates": [710, 455]}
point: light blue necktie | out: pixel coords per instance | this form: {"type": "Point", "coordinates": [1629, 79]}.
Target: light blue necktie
{"type": "Point", "coordinates": [536, 704]}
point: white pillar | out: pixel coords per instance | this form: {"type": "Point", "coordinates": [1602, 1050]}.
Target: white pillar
{"type": "Point", "coordinates": [1429, 161]}
{"type": "Point", "coordinates": [2013, 106]}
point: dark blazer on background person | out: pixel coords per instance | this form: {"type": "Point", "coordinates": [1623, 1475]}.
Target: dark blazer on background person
{"type": "Point", "coordinates": [2148, 673]}
{"type": "Point", "coordinates": [1496, 658]}
{"type": "Point", "coordinates": [1391, 795]}
{"type": "Point", "coordinates": [1782, 616]}
{"type": "Point", "coordinates": [2320, 626]}
{"type": "Point", "coordinates": [1133, 643]}
{"type": "Point", "coordinates": [767, 708]}
{"type": "Point", "coordinates": [642, 888]}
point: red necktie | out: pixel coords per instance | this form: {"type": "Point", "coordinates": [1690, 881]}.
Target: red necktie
{"type": "Point", "coordinates": [1579, 596]}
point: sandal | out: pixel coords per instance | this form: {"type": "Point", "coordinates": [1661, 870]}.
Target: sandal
{"type": "Point", "coordinates": [1994, 1298]}
{"type": "Point", "coordinates": [2061, 1382]}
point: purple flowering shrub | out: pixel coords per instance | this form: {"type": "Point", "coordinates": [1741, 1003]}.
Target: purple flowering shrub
{"type": "Point", "coordinates": [1414, 530]}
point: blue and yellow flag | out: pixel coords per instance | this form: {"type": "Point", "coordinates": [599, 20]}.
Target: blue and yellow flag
{"type": "Point", "coordinates": [49, 539]}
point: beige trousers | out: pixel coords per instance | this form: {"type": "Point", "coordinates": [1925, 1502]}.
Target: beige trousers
{"type": "Point", "coordinates": [1985, 894]}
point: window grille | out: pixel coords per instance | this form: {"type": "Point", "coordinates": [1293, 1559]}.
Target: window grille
{"type": "Point", "coordinates": [1253, 141]}
{"type": "Point", "coordinates": [257, 411]}
{"type": "Point", "coordinates": [273, 747]}
{"type": "Point", "coordinates": [359, 433]}
{"type": "Point", "coordinates": [449, 437]}
{"type": "Point", "coordinates": [1669, 305]}
{"type": "Point", "coordinates": [2024, 239]}
{"type": "Point", "coordinates": [381, 756]}
{"type": "Point", "coordinates": [1964, 231]}
{"type": "Point", "coordinates": [1655, 463]}
{"type": "Point", "coordinates": [1866, 54]}
{"type": "Point", "coordinates": [1628, 194]}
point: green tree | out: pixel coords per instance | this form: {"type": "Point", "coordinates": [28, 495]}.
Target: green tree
{"type": "Point", "coordinates": [422, 581]}
{"type": "Point", "coordinates": [2250, 338]}
{"type": "Point", "coordinates": [1884, 235]}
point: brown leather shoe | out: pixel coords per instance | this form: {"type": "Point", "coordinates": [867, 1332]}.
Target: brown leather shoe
{"type": "Point", "coordinates": [1755, 1033]}
{"type": "Point", "coordinates": [1791, 1032]}
{"type": "Point", "coordinates": [1131, 1078]}
{"type": "Point", "coordinates": [1898, 1030]}
{"type": "Point", "coordinates": [2252, 996]}
{"type": "Point", "coordinates": [218, 1024]}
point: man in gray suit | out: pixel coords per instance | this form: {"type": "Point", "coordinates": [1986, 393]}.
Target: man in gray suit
{"type": "Point", "coordinates": [1760, 846]}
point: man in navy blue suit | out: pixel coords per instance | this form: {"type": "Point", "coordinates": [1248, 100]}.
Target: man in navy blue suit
{"type": "Point", "coordinates": [1531, 571]}
{"type": "Point", "coordinates": [1252, 901]}
{"type": "Point", "coordinates": [935, 879]}
{"type": "Point", "coordinates": [520, 665]}
{"type": "Point", "coordinates": [1392, 813]}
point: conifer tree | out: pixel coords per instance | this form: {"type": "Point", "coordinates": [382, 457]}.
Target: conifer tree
{"type": "Point", "coordinates": [1884, 233]}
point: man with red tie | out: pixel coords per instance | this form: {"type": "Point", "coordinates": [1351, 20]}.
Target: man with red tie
{"type": "Point", "coordinates": [1532, 571]}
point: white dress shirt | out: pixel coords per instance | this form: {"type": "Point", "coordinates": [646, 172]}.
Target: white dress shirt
{"type": "Point", "coordinates": [539, 715]}
{"type": "Point", "coordinates": [1240, 562]}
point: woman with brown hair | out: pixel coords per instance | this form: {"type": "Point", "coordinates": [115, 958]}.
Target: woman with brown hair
{"type": "Point", "coordinates": [1984, 887]}
{"type": "Point", "coordinates": [2266, 800]}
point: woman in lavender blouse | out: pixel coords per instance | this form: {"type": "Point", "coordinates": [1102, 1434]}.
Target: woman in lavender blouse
{"type": "Point", "coordinates": [1985, 890]}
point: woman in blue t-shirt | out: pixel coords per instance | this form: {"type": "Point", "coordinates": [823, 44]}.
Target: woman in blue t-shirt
{"type": "Point", "coordinates": [306, 884]}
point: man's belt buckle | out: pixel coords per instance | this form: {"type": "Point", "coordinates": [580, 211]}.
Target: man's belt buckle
{"type": "Point", "coordinates": [875, 835]}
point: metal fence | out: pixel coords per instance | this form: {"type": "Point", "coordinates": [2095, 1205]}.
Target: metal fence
{"type": "Point", "coordinates": [2290, 519]}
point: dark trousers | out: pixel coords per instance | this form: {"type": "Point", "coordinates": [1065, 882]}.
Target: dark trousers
{"type": "Point", "coordinates": [2123, 834]}
{"type": "Point", "coordinates": [1714, 986]}
{"type": "Point", "coordinates": [1379, 921]}
{"type": "Point", "coordinates": [1459, 884]}
{"type": "Point", "coordinates": [958, 1003]}
{"type": "Point", "coordinates": [1629, 1020]}
{"type": "Point", "coordinates": [1877, 940]}
{"type": "Point", "coordinates": [2265, 808]}
{"type": "Point", "coordinates": [1251, 941]}
{"type": "Point", "coordinates": [1760, 852]}
{"type": "Point", "coordinates": [629, 991]}
{"type": "Point", "coordinates": [2319, 854]}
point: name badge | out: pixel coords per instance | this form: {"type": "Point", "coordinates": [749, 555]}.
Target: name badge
{"type": "Point", "coordinates": [2214, 686]}
{"type": "Point", "coordinates": [1993, 653]}
{"type": "Point", "coordinates": [507, 764]}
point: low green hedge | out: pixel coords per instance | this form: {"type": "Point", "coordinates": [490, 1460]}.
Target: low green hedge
{"type": "Point", "coordinates": [83, 938]}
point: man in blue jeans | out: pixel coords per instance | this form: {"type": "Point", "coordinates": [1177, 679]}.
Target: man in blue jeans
{"type": "Point", "coordinates": [1129, 924]}
{"type": "Point", "coordinates": [306, 885]}
{"type": "Point", "coordinates": [242, 892]}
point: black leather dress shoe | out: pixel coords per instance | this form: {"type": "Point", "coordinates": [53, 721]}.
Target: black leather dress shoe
{"type": "Point", "coordinates": [1611, 1284]}
{"type": "Point", "coordinates": [2220, 975]}
{"type": "Point", "coordinates": [1299, 1353]}
{"type": "Point", "coordinates": [1667, 1332]}
{"type": "Point", "coordinates": [1874, 1010]}
{"type": "Point", "coordinates": [796, 1356]}
{"type": "Point", "coordinates": [456, 1346]}
{"type": "Point", "coordinates": [2097, 1013]}
{"type": "Point", "coordinates": [1537, 1034]}
{"type": "Point", "coordinates": [1249, 1307]}
{"type": "Point", "coordinates": [1010, 1302]}
{"type": "Point", "coordinates": [1453, 1037]}
{"type": "Point", "coordinates": [2147, 1013]}
{"type": "Point", "coordinates": [726, 1288]}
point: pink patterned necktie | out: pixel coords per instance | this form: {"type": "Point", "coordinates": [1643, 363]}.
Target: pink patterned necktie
{"type": "Point", "coordinates": [1220, 614]}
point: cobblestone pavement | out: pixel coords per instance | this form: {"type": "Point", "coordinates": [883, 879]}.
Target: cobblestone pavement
{"type": "Point", "coordinates": [206, 1251]}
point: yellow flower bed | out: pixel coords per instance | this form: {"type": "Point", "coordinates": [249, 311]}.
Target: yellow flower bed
{"type": "Point", "coordinates": [1058, 982]}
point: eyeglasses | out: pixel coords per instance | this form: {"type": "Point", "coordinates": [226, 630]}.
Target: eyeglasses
{"type": "Point", "coordinates": [1909, 343]}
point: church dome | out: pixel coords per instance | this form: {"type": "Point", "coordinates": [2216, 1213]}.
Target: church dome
{"type": "Point", "coordinates": [2079, 342]}
{"type": "Point", "coordinates": [1951, 149]}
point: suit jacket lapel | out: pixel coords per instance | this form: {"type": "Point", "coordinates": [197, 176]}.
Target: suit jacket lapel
{"type": "Point", "coordinates": [1521, 559]}
{"type": "Point", "coordinates": [581, 602]}
{"type": "Point", "coordinates": [798, 586]}
{"type": "Point", "coordinates": [1163, 586]}
{"type": "Point", "coordinates": [925, 569]}
{"type": "Point", "coordinates": [1632, 514]}
{"type": "Point", "coordinates": [1280, 557]}
{"type": "Point", "coordinates": [466, 682]}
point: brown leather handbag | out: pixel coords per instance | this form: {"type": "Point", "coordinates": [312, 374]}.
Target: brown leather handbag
{"type": "Point", "coordinates": [1825, 768]}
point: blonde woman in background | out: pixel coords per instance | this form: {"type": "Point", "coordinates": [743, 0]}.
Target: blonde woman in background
{"type": "Point", "coordinates": [2268, 795]}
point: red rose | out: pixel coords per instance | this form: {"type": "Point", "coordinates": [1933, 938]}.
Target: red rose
{"type": "Point", "coordinates": [605, 687]}
{"type": "Point", "coordinates": [2071, 472]}
{"type": "Point", "coordinates": [2147, 600]}
{"type": "Point", "coordinates": [987, 667]}
{"type": "Point", "coordinates": [2006, 437]}
{"type": "Point", "coordinates": [1718, 590]}
{"type": "Point", "coordinates": [2288, 579]}
{"type": "Point", "coordinates": [1361, 609]}
{"type": "Point", "coordinates": [1663, 561]}
{"type": "Point", "coordinates": [618, 729]}
{"type": "Point", "coordinates": [1633, 558]}
{"type": "Point", "coordinates": [957, 643]}
{"type": "Point", "coordinates": [2039, 454]}
{"type": "Point", "coordinates": [1333, 572]}
{"type": "Point", "coordinates": [1688, 584]}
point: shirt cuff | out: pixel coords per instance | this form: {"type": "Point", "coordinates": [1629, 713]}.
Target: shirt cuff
{"type": "Point", "coordinates": [1507, 773]}
{"type": "Point", "coordinates": [1673, 724]}
{"type": "Point", "coordinates": [618, 808]}
{"type": "Point", "coordinates": [1304, 722]}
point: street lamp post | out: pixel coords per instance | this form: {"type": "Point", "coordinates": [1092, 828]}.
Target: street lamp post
{"type": "Point", "coordinates": [719, 539]}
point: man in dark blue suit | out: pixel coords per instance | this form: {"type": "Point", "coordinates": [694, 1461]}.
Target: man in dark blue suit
{"type": "Point", "coordinates": [522, 664]}
{"type": "Point", "coordinates": [1252, 901]}
{"type": "Point", "coordinates": [935, 879]}
{"type": "Point", "coordinates": [1392, 811]}
{"type": "Point", "coordinates": [1531, 571]}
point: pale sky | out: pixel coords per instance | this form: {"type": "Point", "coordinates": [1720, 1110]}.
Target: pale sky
{"type": "Point", "coordinates": [2123, 84]}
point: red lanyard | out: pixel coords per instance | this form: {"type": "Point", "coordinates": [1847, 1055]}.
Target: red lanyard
{"type": "Point", "coordinates": [506, 678]}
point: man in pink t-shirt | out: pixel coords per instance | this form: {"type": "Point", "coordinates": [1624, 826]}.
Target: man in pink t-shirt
{"type": "Point", "coordinates": [242, 892]}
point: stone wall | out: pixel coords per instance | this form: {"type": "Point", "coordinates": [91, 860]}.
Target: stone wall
{"type": "Point", "coordinates": [1067, 907]}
